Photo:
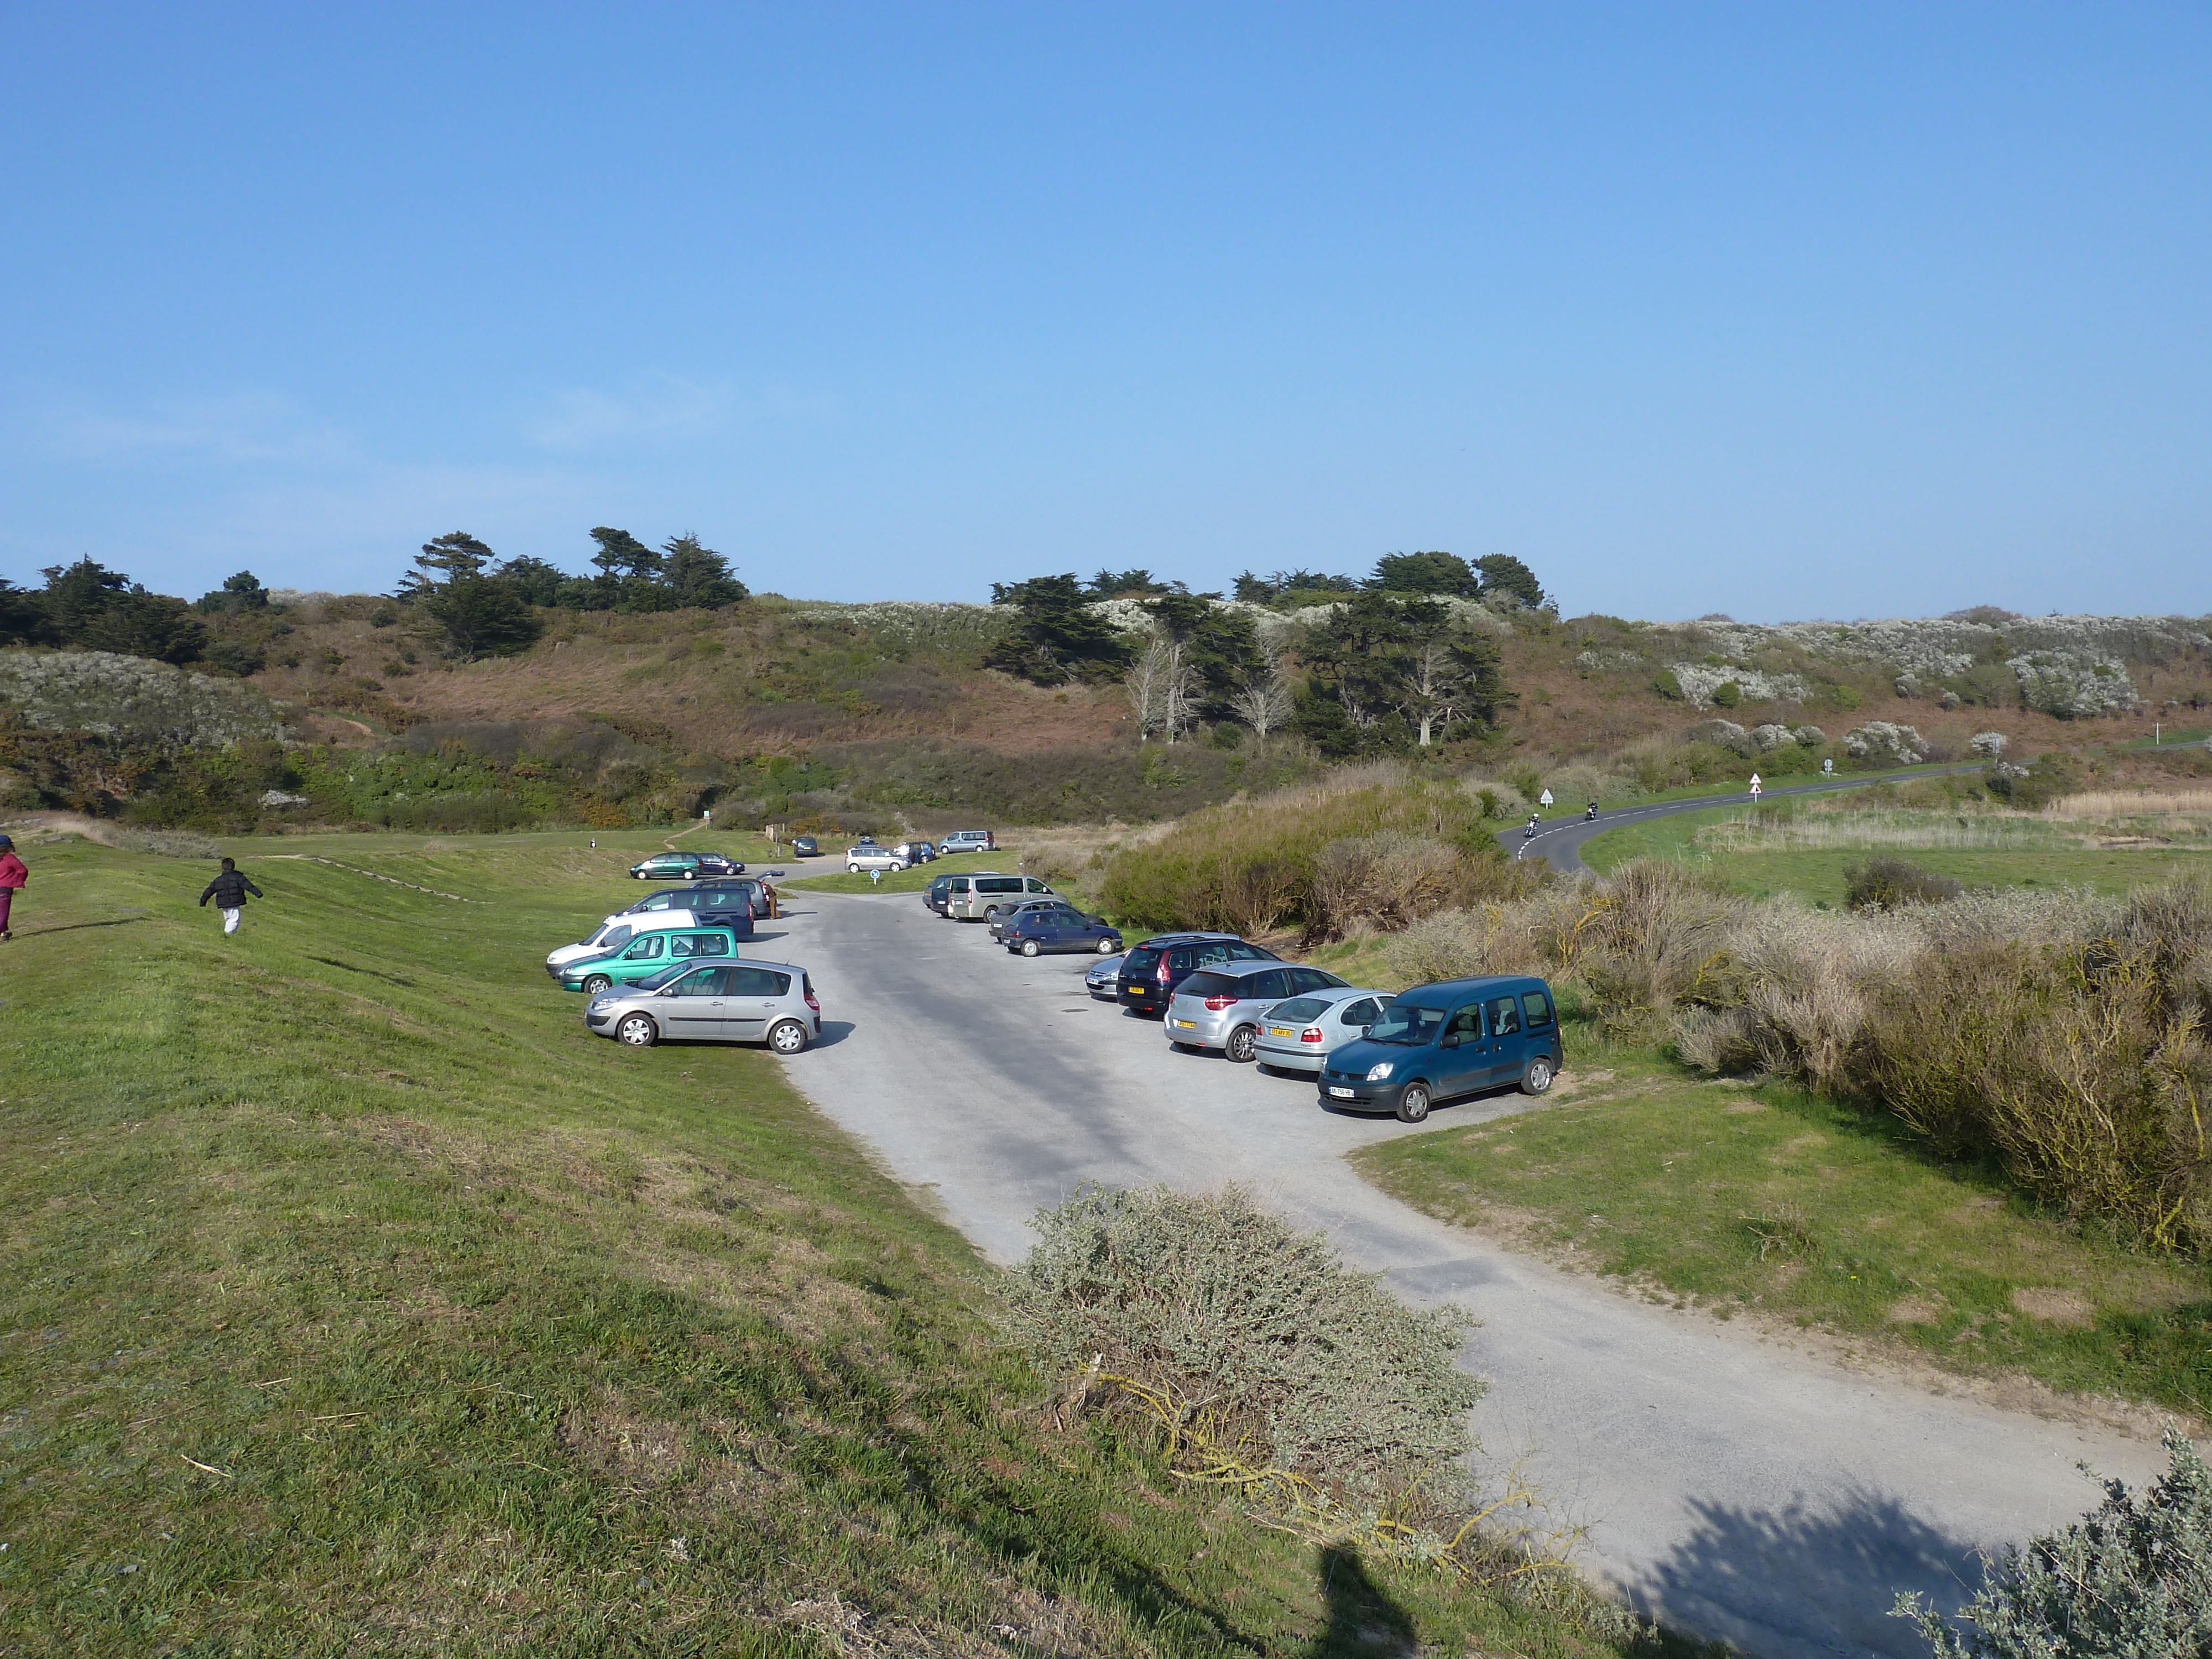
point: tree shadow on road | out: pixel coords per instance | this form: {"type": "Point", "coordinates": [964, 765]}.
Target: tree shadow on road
{"type": "Point", "coordinates": [1813, 1576]}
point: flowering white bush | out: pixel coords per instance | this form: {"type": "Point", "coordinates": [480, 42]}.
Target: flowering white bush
{"type": "Point", "coordinates": [2074, 684]}
{"type": "Point", "coordinates": [1881, 740]}
{"type": "Point", "coordinates": [131, 697]}
{"type": "Point", "coordinates": [1771, 736]}
{"type": "Point", "coordinates": [1699, 680]}
{"type": "Point", "coordinates": [1988, 745]}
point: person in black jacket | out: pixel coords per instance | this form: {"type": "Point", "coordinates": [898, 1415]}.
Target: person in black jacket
{"type": "Point", "coordinates": [229, 890]}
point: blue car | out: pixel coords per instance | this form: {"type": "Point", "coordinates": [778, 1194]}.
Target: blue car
{"type": "Point", "coordinates": [1061, 927]}
{"type": "Point", "coordinates": [1459, 1036]}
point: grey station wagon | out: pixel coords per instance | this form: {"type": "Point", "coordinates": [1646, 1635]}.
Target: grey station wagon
{"type": "Point", "coordinates": [769, 1002]}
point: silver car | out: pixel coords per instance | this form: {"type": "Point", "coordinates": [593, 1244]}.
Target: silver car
{"type": "Point", "coordinates": [981, 895]}
{"type": "Point", "coordinates": [1223, 1007]}
{"type": "Point", "coordinates": [720, 1001]}
{"type": "Point", "coordinates": [1104, 980]}
{"type": "Point", "coordinates": [1298, 1035]}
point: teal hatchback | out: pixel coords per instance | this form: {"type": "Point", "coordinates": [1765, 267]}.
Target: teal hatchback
{"type": "Point", "coordinates": [1458, 1036]}
{"type": "Point", "coordinates": [645, 956]}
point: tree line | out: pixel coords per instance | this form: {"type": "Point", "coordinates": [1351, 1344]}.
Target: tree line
{"type": "Point", "coordinates": [86, 606]}
{"type": "Point", "coordinates": [1388, 664]}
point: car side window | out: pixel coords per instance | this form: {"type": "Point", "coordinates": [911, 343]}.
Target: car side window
{"type": "Point", "coordinates": [617, 937]}
{"type": "Point", "coordinates": [700, 982]}
{"type": "Point", "coordinates": [1210, 955]}
{"type": "Point", "coordinates": [1538, 1008]}
{"type": "Point", "coordinates": [1505, 1017]}
{"type": "Point", "coordinates": [1035, 886]}
{"type": "Point", "coordinates": [1466, 1025]}
{"type": "Point", "coordinates": [1182, 961]}
{"type": "Point", "coordinates": [1272, 986]}
{"type": "Point", "coordinates": [1364, 1011]}
{"type": "Point", "coordinates": [756, 982]}
{"type": "Point", "coordinates": [645, 950]}
{"type": "Point", "coordinates": [1314, 979]}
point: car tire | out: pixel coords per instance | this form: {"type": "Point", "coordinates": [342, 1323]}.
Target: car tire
{"type": "Point", "coordinates": [598, 986]}
{"type": "Point", "coordinates": [1414, 1104]}
{"type": "Point", "coordinates": [1244, 1043]}
{"type": "Point", "coordinates": [851, 869]}
{"type": "Point", "coordinates": [637, 1031]}
{"type": "Point", "coordinates": [1105, 947]}
{"type": "Point", "coordinates": [1537, 1079]}
{"type": "Point", "coordinates": [787, 1036]}
{"type": "Point", "coordinates": [990, 914]}
{"type": "Point", "coordinates": [1029, 947]}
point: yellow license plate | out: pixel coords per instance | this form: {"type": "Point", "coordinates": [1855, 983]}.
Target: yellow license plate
{"type": "Point", "coordinates": [1187, 1024]}
{"type": "Point", "coordinates": [1278, 1030]}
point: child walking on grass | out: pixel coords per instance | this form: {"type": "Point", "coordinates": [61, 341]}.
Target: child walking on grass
{"type": "Point", "coordinates": [229, 890]}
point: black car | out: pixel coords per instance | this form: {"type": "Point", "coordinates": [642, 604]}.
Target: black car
{"type": "Point", "coordinates": [805, 847]}
{"type": "Point", "coordinates": [1036, 929]}
{"type": "Point", "coordinates": [932, 896]}
{"type": "Point", "coordinates": [1151, 972]}
{"type": "Point", "coordinates": [713, 865]}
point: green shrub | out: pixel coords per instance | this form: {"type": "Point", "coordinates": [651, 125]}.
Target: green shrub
{"type": "Point", "coordinates": [1888, 883]}
{"type": "Point", "coordinates": [1727, 695]}
{"type": "Point", "coordinates": [2131, 1580]}
{"type": "Point", "coordinates": [1256, 1338]}
{"type": "Point", "coordinates": [1252, 867]}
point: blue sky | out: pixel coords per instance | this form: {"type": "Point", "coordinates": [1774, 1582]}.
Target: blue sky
{"type": "Point", "coordinates": [1776, 311]}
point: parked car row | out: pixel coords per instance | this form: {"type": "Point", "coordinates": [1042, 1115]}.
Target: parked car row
{"type": "Point", "coordinates": [668, 969]}
{"type": "Point", "coordinates": [1365, 1050]}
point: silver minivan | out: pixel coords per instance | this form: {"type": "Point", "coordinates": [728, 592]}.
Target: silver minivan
{"type": "Point", "coordinates": [978, 896]}
{"type": "Point", "coordinates": [1223, 1007]}
{"type": "Point", "coordinates": [867, 856]}
{"type": "Point", "coordinates": [719, 1001]}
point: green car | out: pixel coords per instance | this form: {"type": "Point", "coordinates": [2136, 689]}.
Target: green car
{"type": "Point", "coordinates": [645, 956]}
{"type": "Point", "coordinates": [667, 867]}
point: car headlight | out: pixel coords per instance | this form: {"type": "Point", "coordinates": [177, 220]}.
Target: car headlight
{"type": "Point", "coordinates": [1380, 1070]}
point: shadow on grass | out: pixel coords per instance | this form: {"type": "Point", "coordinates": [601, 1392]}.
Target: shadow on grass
{"type": "Point", "coordinates": [1817, 1578]}
{"type": "Point", "coordinates": [77, 927]}
{"type": "Point", "coordinates": [1362, 1619]}
{"type": "Point", "coordinates": [373, 973]}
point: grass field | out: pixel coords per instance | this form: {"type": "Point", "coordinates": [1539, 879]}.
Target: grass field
{"type": "Point", "coordinates": [359, 1301]}
{"type": "Point", "coordinates": [1817, 873]}
{"type": "Point", "coordinates": [1734, 1199]}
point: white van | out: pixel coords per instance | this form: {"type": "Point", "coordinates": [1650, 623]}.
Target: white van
{"type": "Point", "coordinates": [867, 856]}
{"type": "Point", "coordinates": [617, 930]}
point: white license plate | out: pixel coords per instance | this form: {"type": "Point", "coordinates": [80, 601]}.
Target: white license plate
{"type": "Point", "coordinates": [1278, 1030]}
{"type": "Point", "coordinates": [1187, 1024]}
{"type": "Point", "coordinates": [1336, 1093]}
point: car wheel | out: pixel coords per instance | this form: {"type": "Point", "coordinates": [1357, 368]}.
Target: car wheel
{"type": "Point", "coordinates": [787, 1036]}
{"type": "Point", "coordinates": [1105, 947]}
{"type": "Point", "coordinates": [638, 1031]}
{"type": "Point", "coordinates": [851, 869]}
{"type": "Point", "coordinates": [1538, 1077]}
{"type": "Point", "coordinates": [1029, 947]}
{"type": "Point", "coordinates": [599, 985]}
{"type": "Point", "coordinates": [990, 914]}
{"type": "Point", "coordinates": [1413, 1104]}
{"type": "Point", "coordinates": [1244, 1043]}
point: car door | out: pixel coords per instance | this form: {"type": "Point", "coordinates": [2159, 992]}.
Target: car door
{"type": "Point", "coordinates": [1462, 1063]}
{"type": "Point", "coordinates": [754, 996]}
{"type": "Point", "coordinates": [1509, 1041]}
{"type": "Point", "coordinates": [694, 1008]}
{"type": "Point", "coordinates": [1263, 990]}
{"type": "Point", "coordinates": [644, 956]}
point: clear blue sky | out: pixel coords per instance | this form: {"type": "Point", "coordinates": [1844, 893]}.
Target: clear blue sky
{"type": "Point", "coordinates": [1782, 311]}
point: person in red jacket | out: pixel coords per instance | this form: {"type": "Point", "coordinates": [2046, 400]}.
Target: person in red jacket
{"type": "Point", "coordinates": [13, 875]}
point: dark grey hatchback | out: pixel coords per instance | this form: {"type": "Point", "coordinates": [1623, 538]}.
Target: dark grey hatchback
{"type": "Point", "coordinates": [1151, 972]}
{"type": "Point", "coordinates": [1458, 1036]}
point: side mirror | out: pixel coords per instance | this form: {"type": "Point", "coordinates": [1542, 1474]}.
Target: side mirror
{"type": "Point", "coordinates": [1450, 1040]}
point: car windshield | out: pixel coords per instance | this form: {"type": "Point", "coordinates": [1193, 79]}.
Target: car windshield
{"type": "Point", "coordinates": [1410, 1026]}
{"type": "Point", "coordinates": [1298, 1008]}
{"type": "Point", "coordinates": [1141, 961]}
{"type": "Point", "coordinates": [654, 981]}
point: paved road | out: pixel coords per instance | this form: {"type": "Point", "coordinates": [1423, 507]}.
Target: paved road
{"type": "Point", "coordinates": [1737, 1487]}
{"type": "Point", "coordinates": [1559, 842]}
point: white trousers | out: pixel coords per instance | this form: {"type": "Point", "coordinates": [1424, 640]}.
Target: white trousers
{"type": "Point", "coordinates": [230, 920]}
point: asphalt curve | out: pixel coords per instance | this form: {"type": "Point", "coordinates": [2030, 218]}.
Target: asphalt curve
{"type": "Point", "coordinates": [1559, 844]}
{"type": "Point", "coordinates": [1737, 1486]}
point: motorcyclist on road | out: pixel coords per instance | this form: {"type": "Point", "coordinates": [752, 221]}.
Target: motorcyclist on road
{"type": "Point", "coordinates": [1590, 816]}
{"type": "Point", "coordinates": [1535, 818]}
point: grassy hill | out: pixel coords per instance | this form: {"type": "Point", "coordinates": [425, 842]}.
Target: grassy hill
{"type": "Point", "coordinates": [360, 1301]}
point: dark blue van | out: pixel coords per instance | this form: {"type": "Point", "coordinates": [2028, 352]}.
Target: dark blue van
{"type": "Point", "coordinates": [1458, 1036]}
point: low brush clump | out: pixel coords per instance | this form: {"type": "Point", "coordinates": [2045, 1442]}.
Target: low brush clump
{"type": "Point", "coordinates": [1370, 848]}
{"type": "Point", "coordinates": [1265, 1366]}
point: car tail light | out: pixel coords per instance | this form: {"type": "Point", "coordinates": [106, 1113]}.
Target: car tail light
{"type": "Point", "coordinates": [1162, 974]}
{"type": "Point", "coordinates": [1311, 1034]}
{"type": "Point", "coordinates": [809, 983]}
{"type": "Point", "coordinates": [1215, 1005]}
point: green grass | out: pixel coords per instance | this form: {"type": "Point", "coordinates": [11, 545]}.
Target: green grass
{"type": "Point", "coordinates": [1817, 873]}
{"type": "Point", "coordinates": [1768, 1199]}
{"type": "Point", "coordinates": [1738, 785]}
{"type": "Point", "coordinates": [359, 1301]}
